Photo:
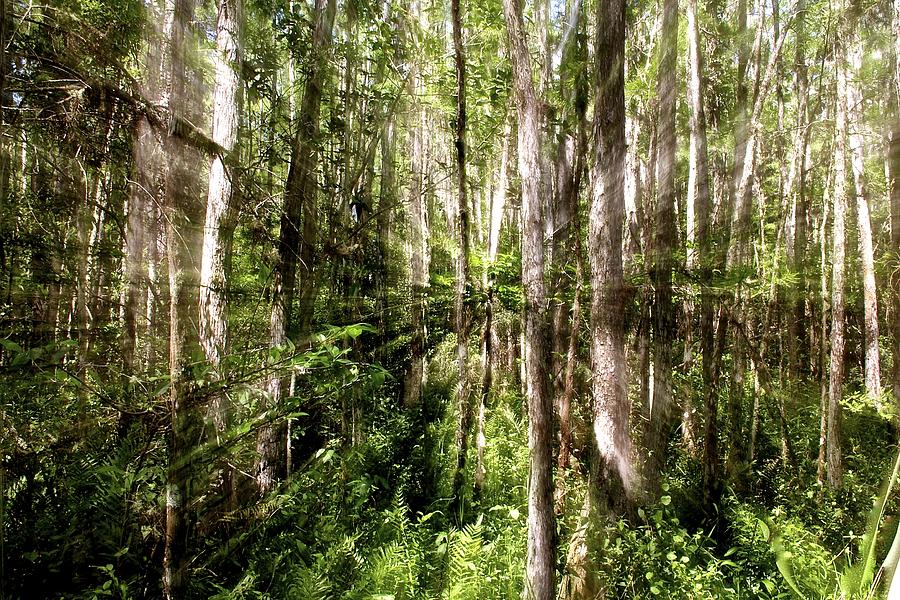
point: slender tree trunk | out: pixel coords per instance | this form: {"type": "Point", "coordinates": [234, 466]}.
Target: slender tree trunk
{"type": "Point", "coordinates": [894, 187]}
{"type": "Point", "coordinates": [540, 572]}
{"type": "Point", "coordinates": [821, 460]}
{"type": "Point", "coordinates": [836, 376]}
{"type": "Point", "coordinates": [665, 239]}
{"type": "Point", "coordinates": [855, 125]}
{"type": "Point", "coordinates": [633, 195]}
{"type": "Point", "coordinates": [700, 251]}
{"type": "Point", "coordinates": [463, 401]}
{"type": "Point", "coordinates": [218, 232]}
{"type": "Point", "coordinates": [183, 216]}
{"type": "Point", "coordinates": [491, 338]}
{"type": "Point", "coordinates": [797, 188]}
{"type": "Point", "coordinates": [894, 183]}
{"type": "Point", "coordinates": [300, 196]}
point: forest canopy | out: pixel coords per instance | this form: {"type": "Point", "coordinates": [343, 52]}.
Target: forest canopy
{"type": "Point", "coordinates": [412, 299]}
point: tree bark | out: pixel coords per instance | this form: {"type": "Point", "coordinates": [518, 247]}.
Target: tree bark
{"type": "Point", "coordinates": [821, 459]}
{"type": "Point", "coordinates": [700, 253]}
{"type": "Point", "coordinates": [612, 481]}
{"type": "Point", "coordinates": [894, 187]}
{"type": "Point", "coordinates": [183, 216]}
{"type": "Point", "coordinates": [300, 197]}
{"type": "Point", "coordinates": [221, 211]}
{"type": "Point", "coordinates": [540, 572]}
{"type": "Point", "coordinates": [463, 401]}
{"type": "Point", "coordinates": [836, 375]}
{"type": "Point", "coordinates": [855, 125]}
{"type": "Point", "coordinates": [797, 188]}
{"type": "Point", "coordinates": [616, 479]}
{"type": "Point", "coordinates": [665, 239]}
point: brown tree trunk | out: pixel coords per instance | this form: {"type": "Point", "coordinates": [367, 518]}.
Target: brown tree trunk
{"type": "Point", "coordinates": [221, 211]}
{"type": "Point", "coordinates": [894, 183]}
{"type": "Point", "coordinates": [183, 219]}
{"type": "Point", "coordinates": [855, 125]}
{"type": "Point", "coordinates": [463, 401]}
{"type": "Point", "coordinates": [894, 186]}
{"type": "Point", "coordinates": [611, 484]}
{"type": "Point", "coordinates": [664, 242]}
{"type": "Point", "coordinates": [540, 572]}
{"type": "Point", "coordinates": [836, 376]}
{"type": "Point", "coordinates": [797, 188]}
{"type": "Point", "coordinates": [821, 461]}
{"type": "Point", "coordinates": [300, 196]}
{"type": "Point", "coordinates": [700, 253]}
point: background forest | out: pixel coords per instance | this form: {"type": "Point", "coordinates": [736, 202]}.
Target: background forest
{"type": "Point", "coordinates": [395, 299]}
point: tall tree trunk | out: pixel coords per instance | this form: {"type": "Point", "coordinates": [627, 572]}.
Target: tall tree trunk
{"type": "Point", "coordinates": [821, 460]}
{"type": "Point", "coordinates": [664, 243]}
{"type": "Point", "coordinates": [611, 483]}
{"type": "Point", "coordinates": [540, 572]}
{"type": "Point", "coordinates": [740, 245]}
{"type": "Point", "coordinates": [836, 376]}
{"type": "Point", "coordinates": [463, 402]}
{"type": "Point", "coordinates": [855, 126]}
{"type": "Point", "coordinates": [894, 186]}
{"type": "Point", "coordinates": [300, 196]}
{"type": "Point", "coordinates": [614, 470]}
{"type": "Point", "coordinates": [218, 231]}
{"type": "Point", "coordinates": [183, 216]}
{"type": "Point", "coordinates": [797, 188]}
{"type": "Point", "coordinates": [700, 252]}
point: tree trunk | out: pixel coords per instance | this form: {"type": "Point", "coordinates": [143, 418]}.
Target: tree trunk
{"type": "Point", "coordinates": [299, 197]}
{"type": "Point", "coordinates": [821, 460]}
{"type": "Point", "coordinates": [836, 376]}
{"type": "Point", "coordinates": [894, 187]}
{"type": "Point", "coordinates": [611, 484]}
{"type": "Point", "coordinates": [183, 217]}
{"type": "Point", "coordinates": [463, 401]}
{"type": "Point", "coordinates": [664, 242]}
{"type": "Point", "coordinates": [894, 183]}
{"type": "Point", "coordinates": [221, 211]}
{"type": "Point", "coordinates": [855, 126]}
{"type": "Point", "coordinates": [540, 572]}
{"type": "Point", "coordinates": [700, 252]}
{"type": "Point", "coordinates": [610, 403]}
{"type": "Point", "coordinates": [797, 188]}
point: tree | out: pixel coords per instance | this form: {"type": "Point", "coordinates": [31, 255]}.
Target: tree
{"type": "Point", "coordinates": [699, 254]}
{"type": "Point", "coordinates": [218, 231]}
{"type": "Point", "coordinates": [540, 572]}
{"type": "Point", "coordinates": [183, 216]}
{"type": "Point", "coordinates": [664, 243]}
{"type": "Point", "coordinates": [894, 185]}
{"type": "Point", "coordinates": [856, 149]}
{"type": "Point", "coordinates": [463, 401]}
{"type": "Point", "coordinates": [300, 196]}
{"type": "Point", "coordinates": [836, 374]}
